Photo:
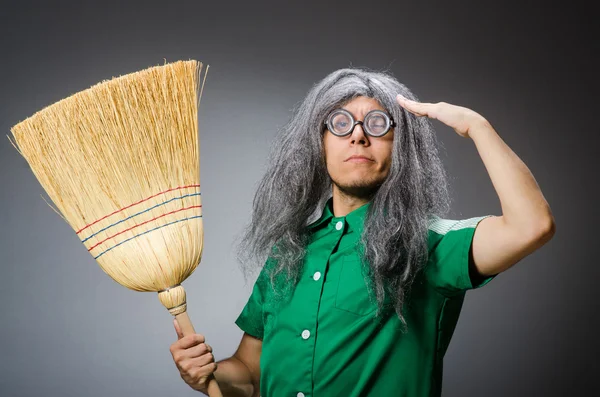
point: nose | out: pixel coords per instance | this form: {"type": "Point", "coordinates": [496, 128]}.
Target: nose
{"type": "Point", "coordinates": [358, 134]}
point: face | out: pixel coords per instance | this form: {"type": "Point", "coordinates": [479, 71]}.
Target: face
{"type": "Point", "coordinates": [358, 177]}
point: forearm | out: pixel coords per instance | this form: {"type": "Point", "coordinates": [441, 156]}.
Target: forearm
{"type": "Point", "coordinates": [234, 378]}
{"type": "Point", "coordinates": [523, 204]}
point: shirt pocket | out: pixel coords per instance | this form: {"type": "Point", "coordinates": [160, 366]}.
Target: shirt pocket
{"type": "Point", "coordinates": [352, 292]}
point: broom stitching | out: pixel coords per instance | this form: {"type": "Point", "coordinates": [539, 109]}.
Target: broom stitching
{"type": "Point", "coordinates": [147, 231]}
{"type": "Point", "coordinates": [131, 205]}
{"type": "Point", "coordinates": [141, 212]}
{"type": "Point", "coordinates": [143, 223]}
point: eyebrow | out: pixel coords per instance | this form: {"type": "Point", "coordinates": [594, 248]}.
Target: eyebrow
{"type": "Point", "coordinates": [381, 110]}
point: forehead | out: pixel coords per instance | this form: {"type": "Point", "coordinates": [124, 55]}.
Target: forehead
{"type": "Point", "coordinates": [362, 105]}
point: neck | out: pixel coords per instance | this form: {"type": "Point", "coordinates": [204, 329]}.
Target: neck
{"type": "Point", "coordinates": [344, 203]}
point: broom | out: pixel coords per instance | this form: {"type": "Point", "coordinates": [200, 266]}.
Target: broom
{"type": "Point", "coordinates": [121, 162]}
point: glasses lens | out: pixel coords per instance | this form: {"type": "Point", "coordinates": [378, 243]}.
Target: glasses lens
{"type": "Point", "coordinates": [340, 123]}
{"type": "Point", "coordinates": [377, 123]}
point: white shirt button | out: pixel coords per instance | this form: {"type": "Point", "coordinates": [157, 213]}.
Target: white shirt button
{"type": "Point", "coordinates": [317, 276]}
{"type": "Point", "coordinates": [339, 225]}
{"type": "Point", "coordinates": [305, 334]}
{"type": "Point", "coordinates": [300, 394]}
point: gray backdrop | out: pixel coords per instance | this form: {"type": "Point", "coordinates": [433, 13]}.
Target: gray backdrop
{"type": "Point", "coordinates": [67, 329]}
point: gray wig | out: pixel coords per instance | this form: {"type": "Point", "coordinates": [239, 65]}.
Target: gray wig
{"type": "Point", "coordinates": [296, 185]}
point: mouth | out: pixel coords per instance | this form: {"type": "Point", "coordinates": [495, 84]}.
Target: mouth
{"type": "Point", "coordinates": [358, 159]}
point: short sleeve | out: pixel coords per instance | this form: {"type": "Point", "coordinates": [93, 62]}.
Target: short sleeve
{"type": "Point", "coordinates": [251, 318]}
{"type": "Point", "coordinates": [448, 265]}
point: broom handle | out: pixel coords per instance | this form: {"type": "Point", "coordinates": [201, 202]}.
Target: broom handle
{"type": "Point", "coordinates": [187, 328]}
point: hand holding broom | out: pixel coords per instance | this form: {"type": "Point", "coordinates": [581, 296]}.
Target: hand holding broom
{"type": "Point", "coordinates": [121, 161]}
{"type": "Point", "coordinates": [194, 359]}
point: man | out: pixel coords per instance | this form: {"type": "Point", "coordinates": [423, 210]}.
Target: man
{"type": "Point", "coordinates": [363, 300]}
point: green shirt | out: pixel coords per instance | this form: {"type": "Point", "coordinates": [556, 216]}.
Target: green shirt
{"type": "Point", "coordinates": [325, 341]}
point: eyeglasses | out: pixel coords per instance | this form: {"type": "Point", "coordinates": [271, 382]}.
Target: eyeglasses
{"type": "Point", "coordinates": [376, 123]}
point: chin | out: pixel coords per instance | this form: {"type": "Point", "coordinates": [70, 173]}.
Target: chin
{"type": "Point", "coordinates": [359, 186]}
{"type": "Point", "coordinates": [361, 178]}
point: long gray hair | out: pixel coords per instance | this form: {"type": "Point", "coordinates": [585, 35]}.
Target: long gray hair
{"type": "Point", "coordinates": [296, 185]}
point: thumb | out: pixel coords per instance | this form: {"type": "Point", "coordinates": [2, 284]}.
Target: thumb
{"type": "Point", "coordinates": [177, 329]}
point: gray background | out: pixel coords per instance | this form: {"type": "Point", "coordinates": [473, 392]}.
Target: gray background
{"type": "Point", "coordinates": [66, 329]}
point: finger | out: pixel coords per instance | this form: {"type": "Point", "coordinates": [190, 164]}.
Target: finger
{"type": "Point", "coordinates": [190, 364]}
{"type": "Point", "coordinates": [206, 359]}
{"type": "Point", "coordinates": [418, 108]}
{"type": "Point", "coordinates": [177, 329]}
{"type": "Point", "coordinates": [190, 341]}
{"type": "Point", "coordinates": [404, 101]}
{"type": "Point", "coordinates": [197, 350]}
{"type": "Point", "coordinates": [203, 371]}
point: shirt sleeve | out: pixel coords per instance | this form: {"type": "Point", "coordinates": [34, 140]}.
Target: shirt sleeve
{"type": "Point", "coordinates": [251, 318]}
{"type": "Point", "coordinates": [448, 264]}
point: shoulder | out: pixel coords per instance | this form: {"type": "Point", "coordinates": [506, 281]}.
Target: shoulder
{"type": "Point", "coordinates": [446, 232]}
{"type": "Point", "coordinates": [443, 226]}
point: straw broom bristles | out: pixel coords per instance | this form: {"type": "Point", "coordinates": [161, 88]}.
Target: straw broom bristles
{"type": "Point", "coordinates": [120, 160]}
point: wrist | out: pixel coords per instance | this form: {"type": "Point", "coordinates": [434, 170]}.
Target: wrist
{"type": "Point", "coordinates": [479, 127]}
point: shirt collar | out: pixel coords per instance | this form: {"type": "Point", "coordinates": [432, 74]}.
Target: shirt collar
{"type": "Point", "coordinates": [355, 218]}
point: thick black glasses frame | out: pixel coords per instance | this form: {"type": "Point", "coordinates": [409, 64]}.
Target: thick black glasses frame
{"type": "Point", "coordinates": [390, 122]}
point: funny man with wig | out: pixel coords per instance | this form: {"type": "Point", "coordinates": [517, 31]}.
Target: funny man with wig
{"type": "Point", "coordinates": [362, 278]}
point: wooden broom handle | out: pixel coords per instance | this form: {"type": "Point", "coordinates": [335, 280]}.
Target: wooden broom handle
{"type": "Point", "coordinates": [187, 328]}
